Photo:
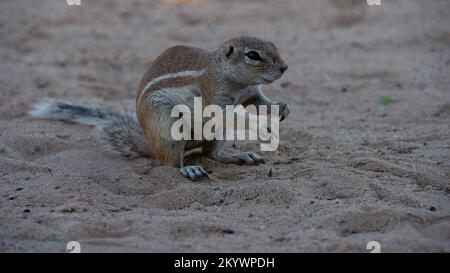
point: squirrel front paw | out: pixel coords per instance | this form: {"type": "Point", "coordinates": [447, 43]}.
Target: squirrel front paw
{"type": "Point", "coordinates": [249, 158]}
{"type": "Point", "coordinates": [284, 110]}
{"type": "Point", "coordinates": [193, 172]}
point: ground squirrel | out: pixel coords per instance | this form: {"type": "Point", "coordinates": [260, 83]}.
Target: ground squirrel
{"type": "Point", "coordinates": [231, 75]}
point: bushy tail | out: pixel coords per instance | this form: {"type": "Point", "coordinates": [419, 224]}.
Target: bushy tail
{"type": "Point", "coordinates": [119, 132]}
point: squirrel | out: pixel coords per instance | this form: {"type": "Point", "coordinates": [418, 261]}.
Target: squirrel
{"type": "Point", "coordinates": [231, 75]}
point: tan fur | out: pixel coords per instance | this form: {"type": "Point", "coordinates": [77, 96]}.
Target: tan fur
{"type": "Point", "coordinates": [175, 59]}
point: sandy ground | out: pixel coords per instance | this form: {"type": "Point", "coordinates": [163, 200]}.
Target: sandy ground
{"type": "Point", "coordinates": [349, 169]}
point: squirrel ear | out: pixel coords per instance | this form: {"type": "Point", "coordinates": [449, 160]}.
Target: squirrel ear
{"type": "Point", "coordinates": [230, 51]}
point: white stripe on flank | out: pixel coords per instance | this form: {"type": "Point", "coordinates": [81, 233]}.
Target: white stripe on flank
{"type": "Point", "coordinates": [189, 73]}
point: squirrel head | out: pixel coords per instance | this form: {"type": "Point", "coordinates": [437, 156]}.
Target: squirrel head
{"type": "Point", "coordinates": [251, 61]}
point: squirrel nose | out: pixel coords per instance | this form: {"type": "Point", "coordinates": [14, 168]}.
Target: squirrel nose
{"type": "Point", "coordinates": [283, 68]}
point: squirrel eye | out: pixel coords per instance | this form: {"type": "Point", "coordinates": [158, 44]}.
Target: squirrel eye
{"type": "Point", "coordinates": [253, 55]}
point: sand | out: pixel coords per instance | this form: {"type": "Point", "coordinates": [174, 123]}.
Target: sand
{"type": "Point", "coordinates": [349, 168]}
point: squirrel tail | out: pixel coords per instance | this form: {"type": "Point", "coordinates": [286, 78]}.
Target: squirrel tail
{"type": "Point", "coordinates": [119, 132]}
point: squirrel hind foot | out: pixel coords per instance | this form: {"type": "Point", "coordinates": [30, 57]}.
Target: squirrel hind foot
{"type": "Point", "coordinates": [194, 172]}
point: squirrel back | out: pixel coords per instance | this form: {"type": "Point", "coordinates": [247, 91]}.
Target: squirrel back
{"type": "Point", "coordinates": [180, 59]}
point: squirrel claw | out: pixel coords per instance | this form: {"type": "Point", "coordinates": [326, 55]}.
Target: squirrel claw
{"type": "Point", "coordinates": [193, 172]}
{"type": "Point", "coordinates": [250, 158]}
{"type": "Point", "coordinates": [284, 110]}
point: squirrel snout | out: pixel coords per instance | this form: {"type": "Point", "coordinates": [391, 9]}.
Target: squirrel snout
{"type": "Point", "coordinates": [283, 68]}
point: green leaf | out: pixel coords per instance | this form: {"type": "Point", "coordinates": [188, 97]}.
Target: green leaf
{"type": "Point", "coordinates": [386, 100]}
